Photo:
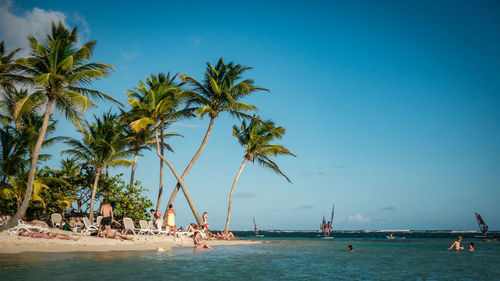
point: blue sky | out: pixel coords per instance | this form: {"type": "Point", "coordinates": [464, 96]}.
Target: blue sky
{"type": "Point", "coordinates": [392, 107]}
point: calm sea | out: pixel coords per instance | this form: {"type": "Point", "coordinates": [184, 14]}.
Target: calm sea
{"type": "Point", "coordinates": [283, 256]}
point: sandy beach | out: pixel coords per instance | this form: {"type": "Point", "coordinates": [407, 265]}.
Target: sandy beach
{"type": "Point", "coordinates": [10, 244]}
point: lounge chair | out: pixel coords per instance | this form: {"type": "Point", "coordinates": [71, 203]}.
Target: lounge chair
{"type": "Point", "coordinates": [56, 220]}
{"type": "Point", "coordinates": [128, 225]}
{"type": "Point", "coordinates": [89, 227]}
{"type": "Point", "coordinates": [156, 230]}
{"type": "Point", "coordinates": [21, 225]}
{"type": "Point", "coordinates": [145, 229]}
{"type": "Point", "coordinates": [98, 221]}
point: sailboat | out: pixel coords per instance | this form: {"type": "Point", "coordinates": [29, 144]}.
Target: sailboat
{"type": "Point", "coordinates": [329, 226]}
{"type": "Point", "coordinates": [256, 229]}
{"type": "Point", "coordinates": [483, 227]}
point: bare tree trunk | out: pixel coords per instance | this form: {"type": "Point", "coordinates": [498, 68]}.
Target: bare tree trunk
{"type": "Point", "coordinates": [191, 163]}
{"type": "Point", "coordinates": [181, 182]}
{"type": "Point", "coordinates": [136, 155]}
{"type": "Point", "coordinates": [226, 228]}
{"type": "Point", "coordinates": [160, 188]}
{"type": "Point", "coordinates": [94, 190]}
{"type": "Point", "coordinates": [21, 211]}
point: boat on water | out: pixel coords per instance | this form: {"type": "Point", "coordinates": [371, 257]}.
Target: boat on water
{"type": "Point", "coordinates": [327, 227]}
{"type": "Point", "coordinates": [483, 227]}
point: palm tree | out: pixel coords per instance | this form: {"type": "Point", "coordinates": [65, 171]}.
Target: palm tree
{"type": "Point", "coordinates": [221, 91]}
{"type": "Point", "coordinates": [256, 139]}
{"type": "Point", "coordinates": [103, 145]}
{"type": "Point", "coordinates": [8, 68]}
{"type": "Point", "coordinates": [156, 101]}
{"type": "Point", "coordinates": [58, 70]}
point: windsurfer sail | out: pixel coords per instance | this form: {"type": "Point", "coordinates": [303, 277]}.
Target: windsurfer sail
{"type": "Point", "coordinates": [483, 227]}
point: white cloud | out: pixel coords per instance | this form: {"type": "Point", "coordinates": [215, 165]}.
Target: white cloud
{"type": "Point", "coordinates": [16, 27]}
{"type": "Point", "coordinates": [358, 218]}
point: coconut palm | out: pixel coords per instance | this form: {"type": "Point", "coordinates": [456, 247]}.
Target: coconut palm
{"type": "Point", "coordinates": [157, 102]}
{"type": "Point", "coordinates": [58, 70]}
{"type": "Point", "coordinates": [102, 145]}
{"type": "Point", "coordinates": [256, 139]}
{"type": "Point", "coordinates": [16, 188]}
{"type": "Point", "coordinates": [8, 68]}
{"type": "Point", "coordinates": [221, 91]}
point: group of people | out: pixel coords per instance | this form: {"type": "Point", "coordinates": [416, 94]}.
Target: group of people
{"type": "Point", "coordinates": [456, 245]}
{"type": "Point", "coordinates": [158, 221]}
{"type": "Point", "coordinates": [107, 214]}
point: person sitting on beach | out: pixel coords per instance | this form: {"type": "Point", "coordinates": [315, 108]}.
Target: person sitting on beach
{"type": "Point", "coordinates": [77, 224]}
{"type": "Point", "coordinates": [197, 243]}
{"type": "Point", "coordinates": [108, 233]}
{"type": "Point", "coordinates": [107, 213]}
{"type": "Point", "coordinates": [456, 244]}
{"type": "Point", "coordinates": [471, 247]}
{"type": "Point", "coordinates": [222, 236]}
{"type": "Point", "coordinates": [191, 227]}
{"type": "Point", "coordinates": [171, 220]}
{"type": "Point", "coordinates": [41, 235]}
{"type": "Point", "coordinates": [350, 248]}
{"type": "Point", "coordinates": [180, 229]}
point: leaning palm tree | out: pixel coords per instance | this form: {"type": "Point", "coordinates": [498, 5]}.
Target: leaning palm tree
{"type": "Point", "coordinates": [58, 71]}
{"type": "Point", "coordinates": [256, 139]}
{"type": "Point", "coordinates": [102, 145]}
{"type": "Point", "coordinates": [157, 102]}
{"type": "Point", "coordinates": [221, 91]}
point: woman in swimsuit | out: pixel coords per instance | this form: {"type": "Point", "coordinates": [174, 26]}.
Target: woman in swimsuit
{"type": "Point", "coordinates": [205, 221]}
{"type": "Point", "coordinates": [108, 233]}
{"type": "Point", "coordinates": [27, 233]}
{"type": "Point", "coordinates": [197, 243]}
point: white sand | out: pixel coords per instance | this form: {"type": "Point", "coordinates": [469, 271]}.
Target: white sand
{"type": "Point", "coordinates": [18, 244]}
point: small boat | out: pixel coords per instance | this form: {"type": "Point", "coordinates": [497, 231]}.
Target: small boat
{"type": "Point", "coordinates": [483, 227]}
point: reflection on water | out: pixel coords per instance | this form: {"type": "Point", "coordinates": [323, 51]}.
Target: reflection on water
{"type": "Point", "coordinates": [309, 259]}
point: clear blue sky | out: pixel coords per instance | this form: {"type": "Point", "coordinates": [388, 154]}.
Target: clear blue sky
{"type": "Point", "coordinates": [392, 107]}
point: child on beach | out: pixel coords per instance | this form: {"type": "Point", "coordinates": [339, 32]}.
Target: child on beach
{"type": "Point", "coordinates": [456, 244]}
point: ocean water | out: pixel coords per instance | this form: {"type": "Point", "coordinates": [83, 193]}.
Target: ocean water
{"type": "Point", "coordinates": [278, 258]}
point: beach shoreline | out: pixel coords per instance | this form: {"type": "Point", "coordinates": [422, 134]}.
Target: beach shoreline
{"type": "Point", "coordinates": [10, 244]}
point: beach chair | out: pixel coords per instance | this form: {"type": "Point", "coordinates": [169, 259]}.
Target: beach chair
{"type": "Point", "coordinates": [56, 220]}
{"type": "Point", "coordinates": [145, 229]}
{"type": "Point", "coordinates": [184, 233]}
{"type": "Point", "coordinates": [128, 225]}
{"type": "Point", "coordinates": [98, 221]}
{"type": "Point", "coordinates": [156, 230]}
{"type": "Point", "coordinates": [89, 227]}
{"type": "Point", "coordinates": [21, 225]}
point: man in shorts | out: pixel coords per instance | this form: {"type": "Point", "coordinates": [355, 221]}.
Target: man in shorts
{"type": "Point", "coordinates": [107, 214]}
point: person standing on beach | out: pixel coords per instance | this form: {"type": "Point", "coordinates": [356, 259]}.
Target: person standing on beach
{"type": "Point", "coordinates": [107, 214]}
{"type": "Point", "coordinates": [205, 221]}
{"type": "Point", "coordinates": [171, 219]}
{"type": "Point", "coordinates": [456, 244]}
{"type": "Point", "coordinates": [157, 218]}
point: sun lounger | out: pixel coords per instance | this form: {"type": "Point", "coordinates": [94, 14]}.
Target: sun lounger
{"type": "Point", "coordinates": [89, 227]}
{"type": "Point", "coordinates": [56, 219]}
{"type": "Point", "coordinates": [128, 225]}
{"type": "Point", "coordinates": [145, 229]}
{"type": "Point", "coordinates": [21, 225]}
{"type": "Point", "coordinates": [156, 230]}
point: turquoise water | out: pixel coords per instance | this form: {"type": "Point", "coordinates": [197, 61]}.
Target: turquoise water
{"type": "Point", "coordinates": [291, 259]}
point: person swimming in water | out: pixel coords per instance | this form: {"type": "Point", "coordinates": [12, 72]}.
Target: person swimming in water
{"type": "Point", "coordinates": [350, 248]}
{"type": "Point", "coordinates": [471, 247]}
{"type": "Point", "coordinates": [456, 244]}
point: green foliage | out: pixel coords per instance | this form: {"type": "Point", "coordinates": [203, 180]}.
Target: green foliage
{"type": "Point", "coordinates": [130, 200]}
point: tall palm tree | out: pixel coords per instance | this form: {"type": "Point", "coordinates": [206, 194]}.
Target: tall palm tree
{"type": "Point", "coordinates": [59, 71]}
{"type": "Point", "coordinates": [103, 145]}
{"type": "Point", "coordinates": [8, 68]}
{"type": "Point", "coordinates": [256, 139]}
{"type": "Point", "coordinates": [221, 91]}
{"type": "Point", "coordinates": [157, 102]}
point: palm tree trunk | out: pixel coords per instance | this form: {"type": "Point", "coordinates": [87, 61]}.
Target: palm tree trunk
{"type": "Point", "coordinates": [107, 171]}
{"type": "Point", "coordinates": [136, 155]}
{"type": "Point", "coordinates": [226, 228]}
{"type": "Point", "coordinates": [181, 182]}
{"type": "Point", "coordinates": [160, 188]}
{"type": "Point", "coordinates": [186, 171]}
{"type": "Point", "coordinates": [94, 190]}
{"type": "Point", "coordinates": [21, 211]}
